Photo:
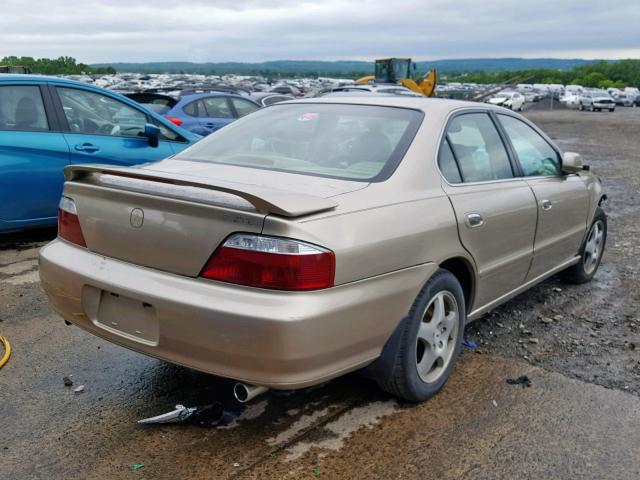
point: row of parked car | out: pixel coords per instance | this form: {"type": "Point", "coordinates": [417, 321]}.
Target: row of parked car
{"type": "Point", "coordinates": [47, 123]}
{"type": "Point", "coordinates": [598, 100]}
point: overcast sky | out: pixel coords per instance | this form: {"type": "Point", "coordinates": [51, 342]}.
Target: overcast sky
{"type": "Point", "coordinates": [250, 30]}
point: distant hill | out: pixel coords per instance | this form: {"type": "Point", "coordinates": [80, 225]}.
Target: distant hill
{"type": "Point", "coordinates": [346, 68]}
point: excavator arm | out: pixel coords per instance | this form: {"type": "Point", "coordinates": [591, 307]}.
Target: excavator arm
{"type": "Point", "coordinates": [427, 85]}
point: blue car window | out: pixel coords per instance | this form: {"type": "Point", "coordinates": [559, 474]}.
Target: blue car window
{"type": "Point", "coordinates": [21, 108]}
{"type": "Point", "coordinates": [96, 114]}
{"type": "Point", "coordinates": [243, 107]}
{"type": "Point", "coordinates": [217, 107]}
{"type": "Point", "coordinates": [194, 109]}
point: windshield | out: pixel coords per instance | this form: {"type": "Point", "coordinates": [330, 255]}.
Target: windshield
{"type": "Point", "coordinates": [354, 142]}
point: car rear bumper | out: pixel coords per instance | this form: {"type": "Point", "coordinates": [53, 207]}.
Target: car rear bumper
{"type": "Point", "coordinates": [271, 338]}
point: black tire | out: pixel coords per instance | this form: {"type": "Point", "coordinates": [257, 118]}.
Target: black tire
{"type": "Point", "coordinates": [581, 107]}
{"type": "Point", "coordinates": [580, 273]}
{"type": "Point", "coordinates": [402, 378]}
{"type": "Point", "coordinates": [612, 110]}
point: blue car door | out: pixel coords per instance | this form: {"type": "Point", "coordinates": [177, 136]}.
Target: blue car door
{"type": "Point", "coordinates": [33, 154]}
{"type": "Point", "coordinates": [214, 113]}
{"type": "Point", "coordinates": [103, 129]}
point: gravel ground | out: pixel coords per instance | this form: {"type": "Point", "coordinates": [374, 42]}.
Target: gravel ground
{"type": "Point", "coordinates": [590, 332]}
{"type": "Point", "coordinates": [577, 340]}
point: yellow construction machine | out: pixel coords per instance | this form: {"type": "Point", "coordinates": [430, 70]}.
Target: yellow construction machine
{"type": "Point", "coordinates": [398, 71]}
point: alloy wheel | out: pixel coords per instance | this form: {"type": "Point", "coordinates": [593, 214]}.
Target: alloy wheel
{"type": "Point", "coordinates": [437, 336]}
{"type": "Point", "coordinates": [593, 247]}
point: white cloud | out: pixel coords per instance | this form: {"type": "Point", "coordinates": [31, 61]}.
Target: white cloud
{"type": "Point", "coordinates": [252, 30]}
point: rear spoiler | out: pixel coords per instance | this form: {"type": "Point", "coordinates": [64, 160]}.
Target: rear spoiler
{"type": "Point", "coordinates": [266, 200]}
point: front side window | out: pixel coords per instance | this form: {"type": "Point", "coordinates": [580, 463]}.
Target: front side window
{"type": "Point", "coordinates": [535, 155]}
{"type": "Point", "coordinates": [21, 108]}
{"type": "Point", "coordinates": [97, 114]}
{"type": "Point", "coordinates": [243, 107]}
{"type": "Point", "coordinates": [477, 147]}
{"type": "Point", "coordinates": [356, 142]}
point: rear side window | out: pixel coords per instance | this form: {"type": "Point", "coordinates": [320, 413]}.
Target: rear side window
{"type": "Point", "coordinates": [193, 109]}
{"type": "Point", "coordinates": [478, 148]}
{"type": "Point", "coordinates": [447, 163]}
{"type": "Point", "coordinates": [21, 108]}
{"type": "Point", "coordinates": [535, 155]}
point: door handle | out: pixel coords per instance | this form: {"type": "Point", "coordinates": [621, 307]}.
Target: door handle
{"type": "Point", "coordinates": [474, 219]}
{"type": "Point", "coordinates": [546, 204]}
{"type": "Point", "coordinates": [86, 147]}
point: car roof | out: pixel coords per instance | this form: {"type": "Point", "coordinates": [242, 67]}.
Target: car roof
{"type": "Point", "coordinates": [40, 78]}
{"type": "Point", "coordinates": [196, 96]}
{"type": "Point", "coordinates": [426, 104]}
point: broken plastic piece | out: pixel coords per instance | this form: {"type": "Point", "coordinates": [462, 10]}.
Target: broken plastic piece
{"type": "Point", "coordinates": [206, 415]}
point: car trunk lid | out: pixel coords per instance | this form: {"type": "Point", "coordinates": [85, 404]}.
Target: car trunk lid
{"type": "Point", "coordinates": [171, 221]}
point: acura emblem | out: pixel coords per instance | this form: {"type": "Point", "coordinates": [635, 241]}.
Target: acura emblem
{"type": "Point", "coordinates": [136, 218]}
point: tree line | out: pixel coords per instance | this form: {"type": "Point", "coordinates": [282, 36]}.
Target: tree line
{"type": "Point", "coordinates": [602, 74]}
{"type": "Point", "coordinates": [55, 66]}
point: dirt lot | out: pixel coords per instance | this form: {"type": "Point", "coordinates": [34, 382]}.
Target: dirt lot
{"type": "Point", "coordinates": [579, 419]}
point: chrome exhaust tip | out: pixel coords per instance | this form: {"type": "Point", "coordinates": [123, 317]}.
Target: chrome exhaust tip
{"type": "Point", "coordinates": [245, 393]}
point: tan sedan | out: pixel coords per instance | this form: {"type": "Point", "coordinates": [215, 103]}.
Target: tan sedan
{"type": "Point", "coordinates": [318, 237]}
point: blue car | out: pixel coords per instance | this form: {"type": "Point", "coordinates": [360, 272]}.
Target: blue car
{"type": "Point", "coordinates": [201, 113]}
{"type": "Point", "coordinates": [47, 123]}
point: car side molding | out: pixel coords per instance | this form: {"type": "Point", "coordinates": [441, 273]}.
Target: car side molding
{"type": "Point", "coordinates": [265, 200]}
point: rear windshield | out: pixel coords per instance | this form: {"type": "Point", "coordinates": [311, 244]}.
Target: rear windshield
{"type": "Point", "coordinates": [354, 142]}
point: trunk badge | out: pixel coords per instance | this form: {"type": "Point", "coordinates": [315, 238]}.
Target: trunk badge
{"type": "Point", "coordinates": [136, 218]}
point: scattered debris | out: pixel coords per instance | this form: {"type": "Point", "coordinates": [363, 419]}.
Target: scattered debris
{"type": "Point", "coordinates": [557, 318]}
{"type": "Point", "coordinates": [315, 471]}
{"type": "Point", "coordinates": [236, 464]}
{"type": "Point", "coordinates": [521, 380]}
{"type": "Point", "coordinates": [137, 466]}
{"type": "Point", "coordinates": [470, 343]}
{"type": "Point", "coordinates": [557, 289]}
{"type": "Point", "coordinates": [79, 389]}
{"type": "Point", "coordinates": [546, 320]}
{"type": "Point", "coordinates": [494, 403]}
{"type": "Point", "coordinates": [67, 381]}
{"type": "Point", "coordinates": [534, 340]}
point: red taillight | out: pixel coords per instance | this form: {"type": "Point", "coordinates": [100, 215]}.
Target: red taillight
{"type": "Point", "coordinates": [68, 222]}
{"type": "Point", "coordinates": [175, 120]}
{"type": "Point", "coordinates": [269, 262]}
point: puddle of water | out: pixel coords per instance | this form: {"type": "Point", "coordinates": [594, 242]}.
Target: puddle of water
{"type": "Point", "coordinates": [30, 277]}
{"type": "Point", "coordinates": [304, 422]}
{"type": "Point", "coordinates": [344, 426]}
{"type": "Point", "coordinates": [18, 267]}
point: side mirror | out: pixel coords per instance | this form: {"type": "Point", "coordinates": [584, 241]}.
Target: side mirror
{"type": "Point", "coordinates": [572, 163]}
{"type": "Point", "coordinates": [153, 134]}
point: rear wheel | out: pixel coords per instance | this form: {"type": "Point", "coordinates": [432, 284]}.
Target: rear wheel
{"type": "Point", "coordinates": [581, 107]}
{"type": "Point", "coordinates": [591, 109]}
{"type": "Point", "coordinates": [430, 340]}
{"type": "Point", "coordinates": [591, 251]}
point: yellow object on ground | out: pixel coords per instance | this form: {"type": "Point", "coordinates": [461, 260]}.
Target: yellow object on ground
{"type": "Point", "coordinates": [7, 351]}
